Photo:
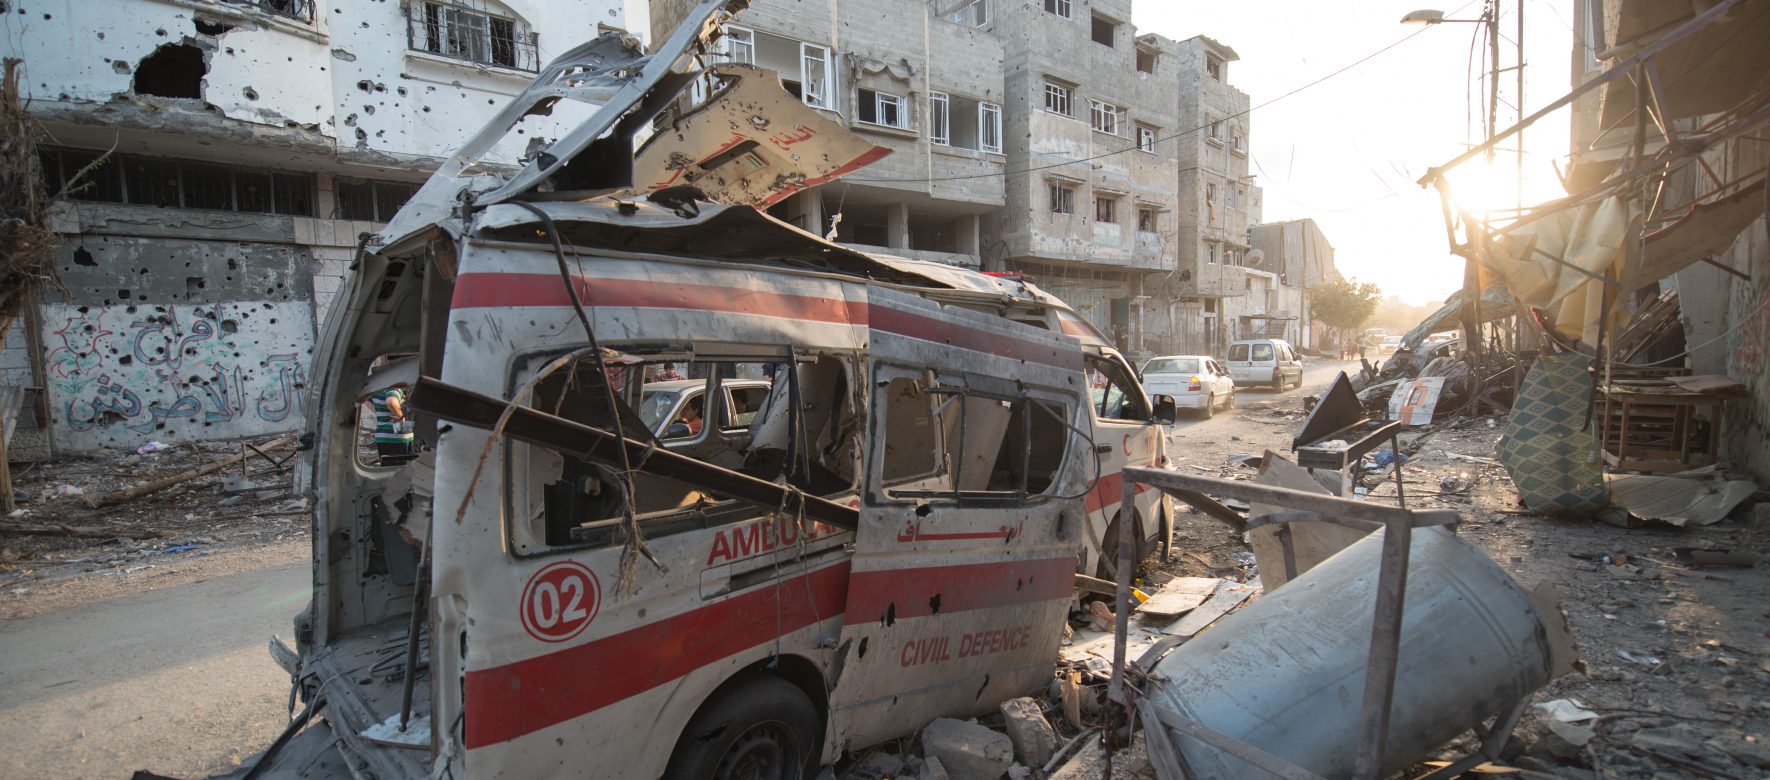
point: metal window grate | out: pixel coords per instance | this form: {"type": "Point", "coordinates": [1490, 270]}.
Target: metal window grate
{"type": "Point", "coordinates": [299, 10]}
{"type": "Point", "coordinates": [469, 35]}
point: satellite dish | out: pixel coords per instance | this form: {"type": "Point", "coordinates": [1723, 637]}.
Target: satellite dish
{"type": "Point", "coordinates": [1253, 258]}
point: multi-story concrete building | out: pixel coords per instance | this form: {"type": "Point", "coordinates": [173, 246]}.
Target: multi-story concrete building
{"type": "Point", "coordinates": [1288, 259]}
{"type": "Point", "coordinates": [925, 83]}
{"type": "Point", "coordinates": [249, 143]}
{"type": "Point", "coordinates": [1216, 200]}
{"type": "Point", "coordinates": [1092, 120]}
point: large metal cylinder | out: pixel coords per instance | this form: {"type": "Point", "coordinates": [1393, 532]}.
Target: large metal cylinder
{"type": "Point", "coordinates": [1286, 673]}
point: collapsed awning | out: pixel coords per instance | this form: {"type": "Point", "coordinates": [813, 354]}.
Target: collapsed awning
{"type": "Point", "coordinates": [1496, 304]}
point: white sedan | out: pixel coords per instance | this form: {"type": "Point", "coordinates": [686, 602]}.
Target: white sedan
{"type": "Point", "coordinates": [1195, 381]}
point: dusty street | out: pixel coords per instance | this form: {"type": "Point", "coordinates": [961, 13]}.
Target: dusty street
{"type": "Point", "coordinates": [162, 669]}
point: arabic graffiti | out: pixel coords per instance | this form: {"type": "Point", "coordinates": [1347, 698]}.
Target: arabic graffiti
{"type": "Point", "coordinates": [196, 371]}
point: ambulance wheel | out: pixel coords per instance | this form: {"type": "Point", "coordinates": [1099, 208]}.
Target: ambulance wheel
{"type": "Point", "coordinates": [766, 729]}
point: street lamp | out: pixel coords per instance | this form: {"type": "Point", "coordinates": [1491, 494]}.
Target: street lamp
{"type": "Point", "coordinates": [1471, 314]}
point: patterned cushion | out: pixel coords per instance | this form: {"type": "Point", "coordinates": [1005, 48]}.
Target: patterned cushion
{"type": "Point", "coordinates": [1554, 463]}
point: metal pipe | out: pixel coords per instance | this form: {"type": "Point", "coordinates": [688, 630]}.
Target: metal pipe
{"type": "Point", "coordinates": [1122, 611]}
{"type": "Point", "coordinates": [1385, 652]}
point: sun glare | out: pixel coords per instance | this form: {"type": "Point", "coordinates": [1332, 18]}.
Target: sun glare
{"type": "Point", "coordinates": [1490, 189]}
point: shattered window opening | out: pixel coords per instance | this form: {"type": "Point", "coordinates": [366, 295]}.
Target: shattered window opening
{"type": "Point", "coordinates": [881, 108]}
{"type": "Point", "coordinates": [163, 183]}
{"type": "Point", "coordinates": [939, 132]}
{"type": "Point", "coordinates": [1115, 393]}
{"type": "Point", "coordinates": [373, 201]}
{"type": "Point", "coordinates": [474, 35]}
{"type": "Point", "coordinates": [299, 10]}
{"type": "Point", "coordinates": [728, 413]}
{"type": "Point", "coordinates": [943, 440]}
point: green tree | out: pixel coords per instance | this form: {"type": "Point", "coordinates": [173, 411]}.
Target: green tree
{"type": "Point", "coordinates": [1343, 304]}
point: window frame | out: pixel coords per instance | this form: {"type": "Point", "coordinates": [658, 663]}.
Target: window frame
{"type": "Point", "coordinates": [1062, 9]}
{"type": "Point", "coordinates": [1102, 113]}
{"type": "Point", "coordinates": [940, 128]}
{"type": "Point", "coordinates": [989, 127]}
{"type": "Point", "coordinates": [1147, 136]}
{"type": "Point", "coordinates": [1106, 209]}
{"type": "Point", "coordinates": [1214, 67]}
{"type": "Point", "coordinates": [1112, 30]}
{"type": "Point", "coordinates": [882, 100]}
{"type": "Point", "coordinates": [1059, 93]}
{"type": "Point", "coordinates": [1153, 223]}
{"type": "Point", "coordinates": [1060, 197]}
{"type": "Point", "coordinates": [443, 28]}
{"type": "Point", "coordinates": [825, 94]}
{"type": "Point", "coordinates": [978, 10]}
{"type": "Point", "coordinates": [940, 390]}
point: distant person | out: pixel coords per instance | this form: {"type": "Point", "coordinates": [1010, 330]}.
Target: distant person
{"type": "Point", "coordinates": [667, 374]}
{"type": "Point", "coordinates": [393, 437]}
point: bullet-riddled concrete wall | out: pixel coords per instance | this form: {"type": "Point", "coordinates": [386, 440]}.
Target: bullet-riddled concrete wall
{"type": "Point", "coordinates": [176, 338]}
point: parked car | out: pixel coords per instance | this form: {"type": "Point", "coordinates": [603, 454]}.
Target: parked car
{"type": "Point", "coordinates": [661, 403]}
{"type": "Point", "coordinates": [1196, 382]}
{"type": "Point", "coordinates": [1270, 362]}
{"type": "Point", "coordinates": [1388, 345]}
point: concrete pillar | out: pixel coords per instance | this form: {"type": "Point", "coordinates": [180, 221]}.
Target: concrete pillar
{"type": "Point", "coordinates": [806, 211]}
{"type": "Point", "coordinates": [967, 234]}
{"type": "Point", "coordinates": [897, 226]}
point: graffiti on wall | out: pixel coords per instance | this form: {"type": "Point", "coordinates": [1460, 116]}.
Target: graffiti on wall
{"type": "Point", "coordinates": [206, 371]}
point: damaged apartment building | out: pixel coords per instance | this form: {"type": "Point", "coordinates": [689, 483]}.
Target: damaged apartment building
{"type": "Point", "coordinates": [217, 161]}
{"type": "Point", "coordinates": [1115, 175]}
{"type": "Point", "coordinates": [1684, 110]}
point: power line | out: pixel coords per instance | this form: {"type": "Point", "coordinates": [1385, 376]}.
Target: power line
{"type": "Point", "coordinates": [1181, 134]}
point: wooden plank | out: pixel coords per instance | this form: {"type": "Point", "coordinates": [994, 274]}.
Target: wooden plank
{"type": "Point", "coordinates": [1180, 596]}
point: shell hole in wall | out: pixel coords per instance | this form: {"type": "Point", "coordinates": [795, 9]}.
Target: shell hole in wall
{"type": "Point", "coordinates": [175, 70]}
{"type": "Point", "coordinates": [83, 257]}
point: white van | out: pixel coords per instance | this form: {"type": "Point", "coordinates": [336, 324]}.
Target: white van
{"type": "Point", "coordinates": [1269, 362]}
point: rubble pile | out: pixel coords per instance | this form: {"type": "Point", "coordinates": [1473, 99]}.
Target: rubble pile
{"type": "Point", "coordinates": [84, 515]}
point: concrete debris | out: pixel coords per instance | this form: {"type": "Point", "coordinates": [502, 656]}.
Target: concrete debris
{"type": "Point", "coordinates": [932, 769]}
{"type": "Point", "coordinates": [1565, 711]}
{"type": "Point", "coordinates": [1033, 737]}
{"type": "Point", "coordinates": [966, 750]}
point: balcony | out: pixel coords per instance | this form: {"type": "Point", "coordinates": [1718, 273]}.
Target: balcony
{"type": "Point", "coordinates": [1216, 280]}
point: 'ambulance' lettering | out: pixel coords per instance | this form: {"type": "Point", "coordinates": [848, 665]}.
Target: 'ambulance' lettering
{"type": "Point", "coordinates": [765, 535]}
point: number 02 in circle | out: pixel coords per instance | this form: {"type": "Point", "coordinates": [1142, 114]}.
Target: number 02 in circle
{"type": "Point", "coordinates": [559, 601]}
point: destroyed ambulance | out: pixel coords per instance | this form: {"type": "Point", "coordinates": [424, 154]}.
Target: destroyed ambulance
{"type": "Point", "coordinates": [885, 529]}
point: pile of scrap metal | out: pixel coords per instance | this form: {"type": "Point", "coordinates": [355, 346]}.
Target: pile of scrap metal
{"type": "Point", "coordinates": [1326, 674]}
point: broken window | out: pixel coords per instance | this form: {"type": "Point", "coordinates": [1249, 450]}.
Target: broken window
{"type": "Point", "coordinates": [943, 438]}
{"type": "Point", "coordinates": [814, 72]}
{"type": "Point", "coordinates": [881, 108]}
{"type": "Point", "coordinates": [1146, 219]}
{"type": "Point", "coordinates": [150, 181]}
{"type": "Point", "coordinates": [1104, 30]}
{"type": "Point", "coordinates": [1115, 393]}
{"type": "Point", "coordinates": [474, 35]}
{"type": "Point", "coordinates": [300, 10]}
{"type": "Point", "coordinates": [771, 419]}
{"type": "Point", "coordinates": [1063, 198]}
{"type": "Point", "coordinates": [973, 14]}
{"type": "Point", "coordinates": [373, 201]}
{"type": "Point", "coordinates": [1145, 60]}
{"type": "Point", "coordinates": [1106, 209]}
{"type": "Point", "coordinates": [1146, 136]}
{"type": "Point", "coordinates": [1105, 117]}
{"type": "Point", "coordinates": [1214, 67]}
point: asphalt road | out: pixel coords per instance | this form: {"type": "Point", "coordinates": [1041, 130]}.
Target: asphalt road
{"type": "Point", "coordinates": [176, 680]}
{"type": "Point", "coordinates": [1316, 376]}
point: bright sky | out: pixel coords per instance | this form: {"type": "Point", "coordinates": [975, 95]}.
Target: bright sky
{"type": "Point", "coordinates": [1347, 152]}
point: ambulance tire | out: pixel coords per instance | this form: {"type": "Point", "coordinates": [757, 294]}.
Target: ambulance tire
{"type": "Point", "coordinates": [764, 729]}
